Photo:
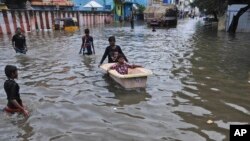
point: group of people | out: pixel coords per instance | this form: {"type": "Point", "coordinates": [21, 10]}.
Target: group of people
{"type": "Point", "coordinates": [113, 52]}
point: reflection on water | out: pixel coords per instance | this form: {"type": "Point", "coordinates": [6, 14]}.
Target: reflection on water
{"type": "Point", "coordinates": [125, 96]}
{"type": "Point", "coordinates": [199, 75]}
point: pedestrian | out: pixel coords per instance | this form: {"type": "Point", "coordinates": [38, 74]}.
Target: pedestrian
{"type": "Point", "coordinates": [87, 44]}
{"type": "Point", "coordinates": [132, 19]}
{"type": "Point", "coordinates": [109, 51]}
{"type": "Point", "coordinates": [121, 66]}
{"type": "Point", "coordinates": [12, 91]}
{"type": "Point", "coordinates": [19, 42]}
{"type": "Point", "coordinates": [153, 29]}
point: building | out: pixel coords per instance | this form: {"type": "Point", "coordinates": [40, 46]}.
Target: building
{"type": "Point", "coordinates": [52, 4]}
{"type": "Point", "coordinates": [108, 5]}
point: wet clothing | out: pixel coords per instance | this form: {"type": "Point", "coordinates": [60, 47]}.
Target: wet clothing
{"type": "Point", "coordinates": [19, 42]}
{"type": "Point", "coordinates": [12, 90]}
{"type": "Point", "coordinates": [87, 44]}
{"type": "Point", "coordinates": [109, 52]}
{"type": "Point", "coordinates": [121, 68]}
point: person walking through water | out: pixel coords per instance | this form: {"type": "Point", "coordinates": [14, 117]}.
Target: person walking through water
{"type": "Point", "coordinates": [132, 19]}
{"type": "Point", "coordinates": [19, 42]}
{"type": "Point", "coordinates": [110, 51]}
{"type": "Point", "coordinates": [87, 44]}
{"type": "Point", "coordinates": [11, 88]}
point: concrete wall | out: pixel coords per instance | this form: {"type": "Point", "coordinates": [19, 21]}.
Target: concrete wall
{"type": "Point", "coordinates": [244, 21]}
{"type": "Point", "coordinates": [30, 20]}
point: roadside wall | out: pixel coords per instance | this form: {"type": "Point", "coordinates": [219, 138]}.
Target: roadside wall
{"type": "Point", "coordinates": [30, 20]}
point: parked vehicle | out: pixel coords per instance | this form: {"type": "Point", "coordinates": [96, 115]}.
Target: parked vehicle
{"type": "Point", "coordinates": [164, 15]}
{"type": "Point", "coordinates": [67, 24]}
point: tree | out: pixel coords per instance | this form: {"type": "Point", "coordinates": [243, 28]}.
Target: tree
{"type": "Point", "coordinates": [214, 7]}
{"type": "Point", "coordinates": [219, 7]}
{"type": "Point", "coordinates": [234, 24]}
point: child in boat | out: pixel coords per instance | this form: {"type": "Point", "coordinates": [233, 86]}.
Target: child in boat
{"type": "Point", "coordinates": [12, 91]}
{"type": "Point", "coordinates": [122, 66]}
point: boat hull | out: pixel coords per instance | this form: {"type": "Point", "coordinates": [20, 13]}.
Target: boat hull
{"type": "Point", "coordinates": [136, 78]}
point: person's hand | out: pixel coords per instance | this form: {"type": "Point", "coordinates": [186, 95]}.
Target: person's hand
{"type": "Point", "coordinates": [25, 112]}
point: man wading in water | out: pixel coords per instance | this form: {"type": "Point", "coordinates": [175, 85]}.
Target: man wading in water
{"type": "Point", "coordinates": [19, 42]}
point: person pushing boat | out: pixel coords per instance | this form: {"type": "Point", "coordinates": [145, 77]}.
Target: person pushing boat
{"type": "Point", "coordinates": [110, 51]}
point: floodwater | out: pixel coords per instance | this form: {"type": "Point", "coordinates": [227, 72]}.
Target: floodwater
{"type": "Point", "coordinates": [199, 87]}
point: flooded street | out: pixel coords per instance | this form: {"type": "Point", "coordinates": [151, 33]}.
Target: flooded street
{"type": "Point", "coordinates": [199, 74]}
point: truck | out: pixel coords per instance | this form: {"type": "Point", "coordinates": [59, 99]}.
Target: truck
{"type": "Point", "coordinates": [161, 15]}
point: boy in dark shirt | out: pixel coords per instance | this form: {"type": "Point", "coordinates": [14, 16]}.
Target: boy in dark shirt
{"type": "Point", "coordinates": [19, 42]}
{"type": "Point", "coordinates": [12, 91]}
{"type": "Point", "coordinates": [111, 49]}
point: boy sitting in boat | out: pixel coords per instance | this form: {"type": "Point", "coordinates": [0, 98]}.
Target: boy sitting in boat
{"type": "Point", "coordinates": [12, 90]}
{"type": "Point", "coordinates": [122, 66]}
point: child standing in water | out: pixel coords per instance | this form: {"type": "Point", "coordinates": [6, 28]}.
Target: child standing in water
{"type": "Point", "coordinates": [87, 43]}
{"type": "Point", "coordinates": [12, 91]}
{"type": "Point", "coordinates": [121, 66]}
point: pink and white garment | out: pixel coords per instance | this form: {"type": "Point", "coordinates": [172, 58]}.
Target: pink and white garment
{"type": "Point", "coordinates": [121, 68]}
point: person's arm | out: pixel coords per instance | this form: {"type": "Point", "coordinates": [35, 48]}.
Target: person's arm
{"type": "Point", "coordinates": [120, 51]}
{"type": "Point", "coordinates": [24, 44]}
{"type": "Point", "coordinates": [92, 44]}
{"type": "Point", "coordinates": [21, 108]}
{"type": "Point", "coordinates": [104, 56]}
{"type": "Point", "coordinates": [83, 42]}
{"type": "Point", "coordinates": [12, 97]}
{"type": "Point", "coordinates": [13, 41]}
{"type": "Point", "coordinates": [136, 66]}
{"type": "Point", "coordinates": [81, 46]}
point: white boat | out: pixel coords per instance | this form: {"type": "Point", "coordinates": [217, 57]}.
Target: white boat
{"type": "Point", "coordinates": [136, 77]}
